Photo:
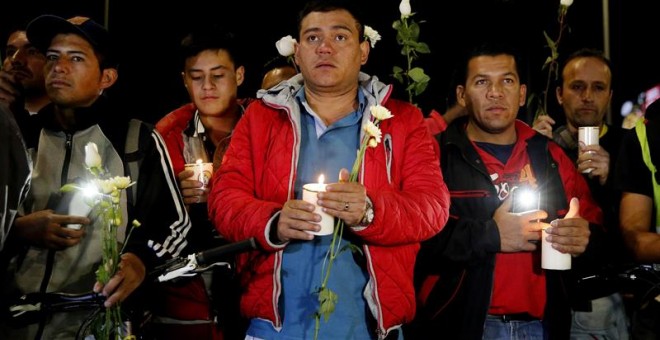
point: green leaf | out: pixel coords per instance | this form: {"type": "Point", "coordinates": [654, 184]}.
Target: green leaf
{"type": "Point", "coordinates": [422, 48]}
{"type": "Point", "coordinates": [420, 87]}
{"type": "Point", "coordinates": [547, 63]}
{"type": "Point", "coordinates": [355, 249]}
{"type": "Point", "coordinates": [68, 188]}
{"type": "Point", "coordinates": [417, 74]}
{"type": "Point", "coordinates": [400, 38]}
{"type": "Point", "coordinates": [398, 77]}
{"type": "Point", "coordinates": [327, 301]}
{"type": "Point", "coordinates": [549, 41]}
{"type": "Point", "coordinates": [414, 31]}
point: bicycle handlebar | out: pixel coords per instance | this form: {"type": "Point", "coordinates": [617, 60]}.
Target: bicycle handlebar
{"type": "Point", "coordinates": [30, 307]}
{"type": "Point", "coordinates": [194, 264]}
{"type": "Point", "coordinates": [210, 256]}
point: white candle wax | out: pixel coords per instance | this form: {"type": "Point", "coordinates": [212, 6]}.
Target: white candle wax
{"type": "Point", "coordinates": [310, 192]}
{"type": "Point", "coordinates": [588, 135]}
{"type": "Point", "coordinates": [552, 258]}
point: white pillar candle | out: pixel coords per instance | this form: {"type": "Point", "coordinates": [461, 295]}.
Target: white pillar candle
{"type": "Point", "coordinates": [588, 135]}
{"type": "Point", "coordinates": [552, 258]}
{"type": "Point", "coordinates": [310, 193]}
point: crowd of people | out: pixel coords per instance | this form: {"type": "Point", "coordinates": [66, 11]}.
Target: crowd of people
{"type": "Point", "coordinates": [431, 245]}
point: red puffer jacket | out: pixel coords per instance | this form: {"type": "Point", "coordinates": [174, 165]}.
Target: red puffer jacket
{"type": "Point", "coordinates": [403, 180]}
{"type": "Point", "coordinates": [186, 301]}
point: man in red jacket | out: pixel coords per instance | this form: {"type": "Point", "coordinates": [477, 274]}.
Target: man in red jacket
{"type": "Point", "coordinates": [212, 72]}
{"type": "Point", "coordinates": [309, 125]}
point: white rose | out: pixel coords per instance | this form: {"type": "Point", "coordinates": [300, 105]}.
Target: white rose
{"type": "Point", "coordinates": [372, 35]}
{"type": "Point", "coordinates": [380, 112]}
{"type": "Point", "coordinates": [566, 3]}
{"type": "Point", "coordinates": [286, 46]}
{"type": "Point", "coordinates": [404, 8]}
{"type": "Point", "coordinates": [92, 157]}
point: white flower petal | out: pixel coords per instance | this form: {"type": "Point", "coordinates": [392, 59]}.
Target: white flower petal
{"type": "Point", "coordinates": [121, 182]}
{"type": "Point", "coordinates": [373, 131]}
{"type": "Point", "coordinates": [380, 112]}
{"type": "Point", "coordinates": [105, 186]}
{"type": "Point", "coordinates": [404, 8]}
{"type": "Point", "coordinates": [566, 3]}
{"type": "Point", "coordinates": [372, 35]}
{"type": "Point", "coordinates": [92, 157]}
{"type": "Point", "coordinates": [286, 46]}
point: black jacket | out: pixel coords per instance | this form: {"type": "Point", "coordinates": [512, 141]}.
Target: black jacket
{"type": "Point", "coordinates": [462, 256]}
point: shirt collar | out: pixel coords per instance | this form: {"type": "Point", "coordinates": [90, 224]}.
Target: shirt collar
{"type": "Point", "coordinates": [319, 124]}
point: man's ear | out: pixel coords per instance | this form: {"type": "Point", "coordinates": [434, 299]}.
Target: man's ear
{"type": "Point", "coordinates": [108, 77]}
{"type": "Point", "coordinates": [523, 95]}
{"type": "Point", "coordinates": [240, 75]}
{"type": "Point", "coordinates": [365, 47]}
{"type": "Point", "coordinates": [558, 94]}
{"type": "Point", "coordinates": [460, 95]}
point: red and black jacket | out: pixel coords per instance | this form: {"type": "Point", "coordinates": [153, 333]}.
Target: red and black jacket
{"type": "Point", "coordinates": [454, 269]}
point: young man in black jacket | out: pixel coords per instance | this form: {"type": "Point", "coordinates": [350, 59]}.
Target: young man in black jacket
{"type": "Point", "coordinates": [80, 67]}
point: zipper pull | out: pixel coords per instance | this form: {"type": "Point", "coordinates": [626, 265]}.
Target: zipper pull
{"type": "Point", "coordinates": [69, 140]}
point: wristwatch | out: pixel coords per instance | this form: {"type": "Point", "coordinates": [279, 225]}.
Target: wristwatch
{"type": "Point", "coordinates": [368, 214]}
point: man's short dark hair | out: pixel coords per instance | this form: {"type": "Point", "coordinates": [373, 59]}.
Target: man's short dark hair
{"type": "Point", "coordinates": [352, 6]}
{"type": "Point", "coordinates": [490, 49]}
{"type": "Point", "coordinates": [210, 37]}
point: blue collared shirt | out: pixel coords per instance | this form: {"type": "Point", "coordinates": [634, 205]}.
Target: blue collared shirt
{"type": "Point", "coordinates": [324, 150]}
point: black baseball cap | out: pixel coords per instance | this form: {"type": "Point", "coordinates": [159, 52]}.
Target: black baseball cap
{"type": "Point", "coordinates": [41, 31]}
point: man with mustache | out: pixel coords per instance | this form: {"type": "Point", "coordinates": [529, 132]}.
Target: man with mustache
{"type": "Point", "coordinates": [481, 276]}
{"type": "Point", "coordinates": [311, 125]}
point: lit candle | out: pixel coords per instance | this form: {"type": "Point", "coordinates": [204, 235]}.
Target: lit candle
{"type": "Point", "coordinates": [310, 194]}
{"type": "Point", "coordinates": [202, 172]}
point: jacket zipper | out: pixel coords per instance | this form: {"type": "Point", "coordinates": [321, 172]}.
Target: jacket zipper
{"type": "Point", "coordinates": [50, 260]}
{"type": "Point", "coordinates": [63, 178]}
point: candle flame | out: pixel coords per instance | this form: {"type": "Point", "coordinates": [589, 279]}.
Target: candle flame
{"type": "Point", "coordinates": [321, 179]}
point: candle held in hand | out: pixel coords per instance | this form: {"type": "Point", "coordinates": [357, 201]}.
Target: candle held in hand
{"type": "Point", "coordinates": [310, 193]}
{"type": "Point", "coordinates": [552, 258]}
{"type": "Point", "coordinates": [202, 172]}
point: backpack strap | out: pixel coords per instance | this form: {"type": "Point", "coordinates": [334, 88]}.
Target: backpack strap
{"type": "Point", "coordinates": [133, 157]}
{"type": "Point", "coordinates": [640, 129]}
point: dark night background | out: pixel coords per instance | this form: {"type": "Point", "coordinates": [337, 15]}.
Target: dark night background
{"type": "Point", "coordinates": [149, 36]}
